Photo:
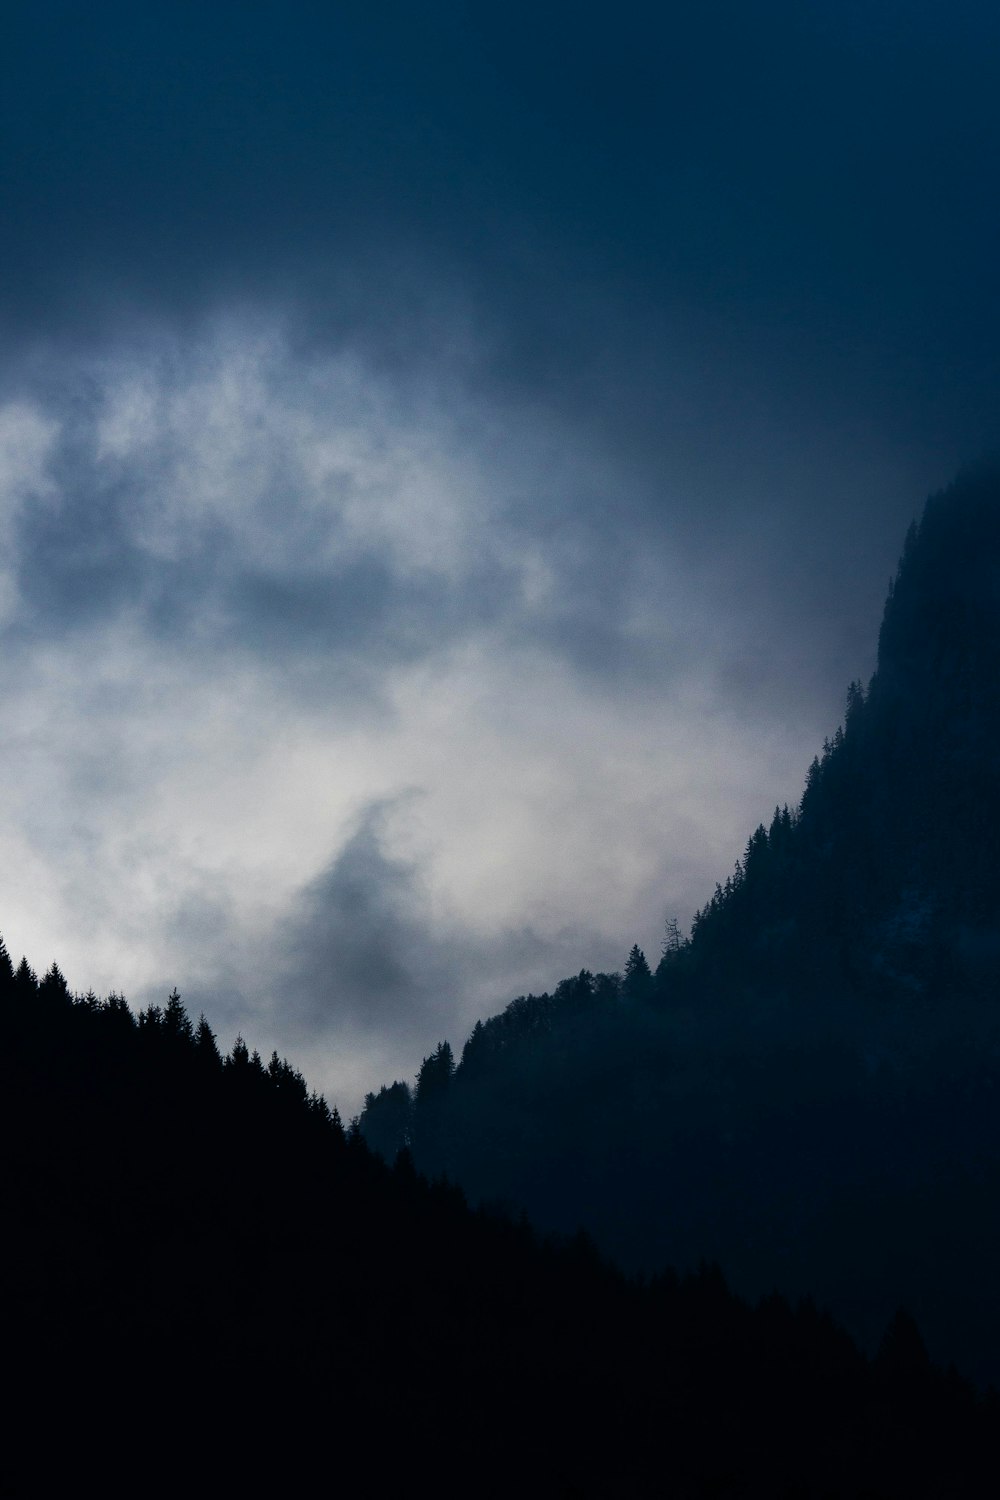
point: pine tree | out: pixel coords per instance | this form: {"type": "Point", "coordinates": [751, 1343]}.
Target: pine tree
{"type": "Point", "coordinates": [239, 1059]}
{"type": "Point", "coordinates": [176, 1022]}
{"type": "Point", "coordinates": [54, 988]}
{"type": "Point", "coordinates": [6, 973]}
{"type": "Point", "coordinates": [387, 1120]}
{"type": "Point", "coordinates": [638, 980]}
{"type": "Point", "coordinates": [205, 1044]}
{"type": "Point", "coordinates": [436, 1073]}
{"type": "Point", "coordinates": [25, 981]}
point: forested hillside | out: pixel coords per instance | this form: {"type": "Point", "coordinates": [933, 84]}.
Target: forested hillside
{"type": "Point", "coordinates": [211, 1284]}
{"type": "Point", "coordinates": [805, 1088]}
{"type": "Point", "coordinates": [208, 1276]}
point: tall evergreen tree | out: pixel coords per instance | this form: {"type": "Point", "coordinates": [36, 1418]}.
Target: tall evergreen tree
{"type": "Point", "coordinates": [436, 1073]}
{"type": "Point", "coordinates": [637, 982]}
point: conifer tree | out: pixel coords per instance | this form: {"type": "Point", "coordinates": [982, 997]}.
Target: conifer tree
{"type": "Point", "coordinates": [205, 1044]}
{"type": "Point", "coordinates": [176, 1022]}
{"type": "Point", "coordinates": [436, 1073]}
{"type": "Point", "coordinates": [387, 1120]}
{"type": "Point", "coordinates": [638, 980]}
{"type": "Point", "coordinates": [54, 987]}
{"type": "Point", "coordinates": [6, 971]}
{"type": "Point", "coordinates": [25, 981]}
{"type": "Point", "coordinates": [239, 1058]}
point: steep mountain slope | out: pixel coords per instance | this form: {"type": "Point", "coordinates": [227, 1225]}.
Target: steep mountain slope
{"type": "Point", "coordinates": [209, 1285]}
{"type": "Point", "coordinates": [807, 1089]}
{"type": "Point", "coordinates": [888, 872]}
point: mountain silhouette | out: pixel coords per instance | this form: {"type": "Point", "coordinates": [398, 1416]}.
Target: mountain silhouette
{"type": "Point", "coordinates": [211, 1285]}
{"type": "Point", "coordinates": [806, 1088]}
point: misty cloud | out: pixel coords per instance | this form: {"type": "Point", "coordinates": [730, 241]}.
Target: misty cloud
{"type": "Point", "coordinates": [416, 697]}
{"type": "Point", "coordinates": [370, 962]}
{"type": "Point", "coordinates": [359, 952]}
{"type": "Point", "coordinates": [451, 464]}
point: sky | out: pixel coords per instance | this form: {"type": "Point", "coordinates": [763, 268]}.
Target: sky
{"type": "Point", "coordinates": [452, 459]}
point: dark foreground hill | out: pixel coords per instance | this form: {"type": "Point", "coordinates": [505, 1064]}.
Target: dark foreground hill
{"type": "Point", "coordinates": [211, 1286]}
{"type": "Point", "coordinates": [807, 1089]}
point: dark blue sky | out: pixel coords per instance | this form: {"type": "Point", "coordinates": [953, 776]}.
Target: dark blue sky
{"type": "Point", "coordinates": [813, 171]}
{"type": "Point", "coordinates": [488, 432]}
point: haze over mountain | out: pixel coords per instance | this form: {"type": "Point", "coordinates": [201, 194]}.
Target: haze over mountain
{"type": "Point", "coordinates": [806, 1089]}
{"type": "Point", "coordinates": [451, 457]}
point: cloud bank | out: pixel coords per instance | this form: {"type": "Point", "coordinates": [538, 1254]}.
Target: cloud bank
{"type": "Point", "coordinates": [341, 704]}
{"type": "Point", "coordinates": [451, 463]}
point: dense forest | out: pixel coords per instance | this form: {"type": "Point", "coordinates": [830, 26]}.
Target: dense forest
{"type": "Point", "coordinates": [805, 1088]}
{"type": "Point", "coordinates": [212, 1284]}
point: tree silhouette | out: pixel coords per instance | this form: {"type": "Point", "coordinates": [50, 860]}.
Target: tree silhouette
{"type": "Point", "coordinates": [637, 982]}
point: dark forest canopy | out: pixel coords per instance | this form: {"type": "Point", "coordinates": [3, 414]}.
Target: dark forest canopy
{"type": "Point", "coordinates": [211, 1283]}
{"type": "Point", "coordinates": [805, 1087]}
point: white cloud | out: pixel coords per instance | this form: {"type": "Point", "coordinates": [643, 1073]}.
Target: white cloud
{"type": "Point", "coordinates": [298, 466]}
{"type": "Point", "coordinates": [182, 774]}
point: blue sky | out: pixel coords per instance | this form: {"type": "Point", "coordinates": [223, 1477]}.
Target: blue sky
{"type": "Point", "coordinates": [451, 464]}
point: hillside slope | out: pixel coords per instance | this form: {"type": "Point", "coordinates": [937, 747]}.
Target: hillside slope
{"type": "Point", "coordinates": [210, 1285]}
{"type": "Point", "coordinates": [806, 1089]}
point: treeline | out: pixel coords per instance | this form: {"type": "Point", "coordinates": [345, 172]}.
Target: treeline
{"type": "Point", "coordinates": [805, 1087]}
{"type": "Point", "coordinates": [211, 1283]}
